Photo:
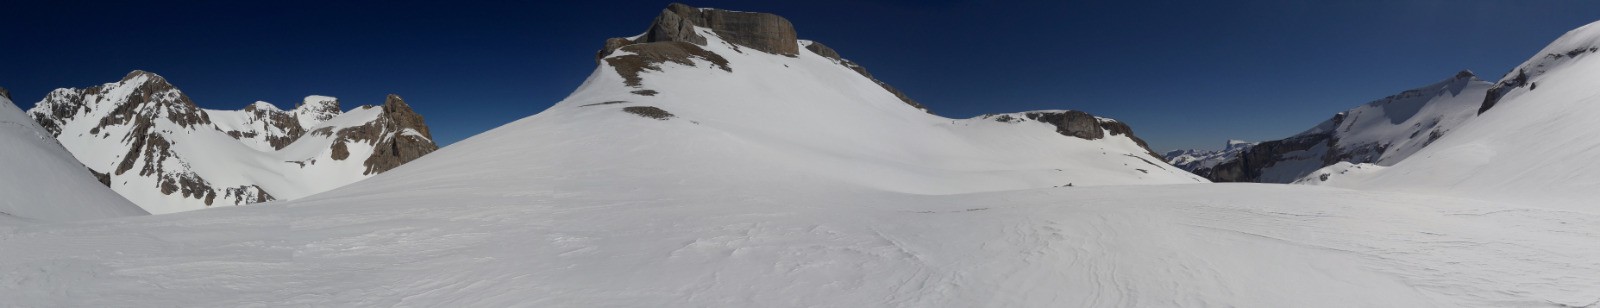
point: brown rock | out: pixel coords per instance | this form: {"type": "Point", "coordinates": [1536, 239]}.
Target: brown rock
{"type": "Point", "coordinates": [5, 93]}
{"type": "Point", "coordinates": [649, 112]}
{"type": "Point", "coordinates": [1071, 123]}
{"type": "Point", "coordinates": [760, 31]}
{"type": "Point", "coordinates": [397, 147]}
{"type": "Point", "coordinates": [650, 56]}
{"type": "Point", "coordinates": [1082, 125]}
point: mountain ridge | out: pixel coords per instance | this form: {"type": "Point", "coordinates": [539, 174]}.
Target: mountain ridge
{"type": "Point", "coordinates": [151, 142]}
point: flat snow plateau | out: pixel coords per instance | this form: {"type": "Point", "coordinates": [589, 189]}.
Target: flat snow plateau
{"type": "Point", "coordinates": [448, 245]}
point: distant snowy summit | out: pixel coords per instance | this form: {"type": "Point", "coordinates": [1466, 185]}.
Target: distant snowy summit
{"type": "Point", "coordinates": [1381, 132]}
{"type": "Point", "coordinates": [1194, 159]}
{"type": "Point", "coordinates": [148, 141]}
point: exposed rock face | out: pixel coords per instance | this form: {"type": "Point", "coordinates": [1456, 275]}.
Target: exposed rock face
{"type": "Point", "coordinates": [408, 138]}
{"type": "Point", "coordinates": [1248, 166]}
{"type": "Point", "coordinates": [649, 112]}
{"type": "Point", "coordinates": [158, 133]}
{"type": "Point", "coordinates": [1500, 89]}
{"type": "Point", "coordinates": [5, 93]}
{"type": "Point", "coordinates": [650, 56]}
{"type": "Point", "coordinates": [760, 31]}
{"type": "Point", "coordinates": [1191, 160]}
{"type": "Point", "coordinates": [825, 51]}
{"type": "Point", "coordinates": [273, 128]}
{"type": "Point", "coordinates": [1078, 124]}
{"type": "Point", "coordinates": [1522, 76]}
{"type": "Point", "coordinates": [672, 37]}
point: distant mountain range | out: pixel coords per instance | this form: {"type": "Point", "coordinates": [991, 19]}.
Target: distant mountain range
{"type": "Point", "coordinates": [148, 141]}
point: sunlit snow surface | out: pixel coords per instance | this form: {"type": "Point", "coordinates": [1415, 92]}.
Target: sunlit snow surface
{"type": "Point", "coordinates": [41, 181]}
{"type": "Point", "coordinates": [811, 188]}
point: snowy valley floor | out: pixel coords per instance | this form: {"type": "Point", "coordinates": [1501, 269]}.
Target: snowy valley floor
{"type": "Point", "coordinates": [451, 245]}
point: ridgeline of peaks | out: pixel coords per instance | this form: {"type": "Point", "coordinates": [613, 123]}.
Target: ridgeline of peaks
{"type": "Point", "coordinates": [1382, 132]}
{"type": "Point", "coordinates": [150, 142]}
{"type": "Point", "coordinates": [1203, 159]}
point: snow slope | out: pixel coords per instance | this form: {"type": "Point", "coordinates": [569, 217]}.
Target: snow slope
{"type": "Point", "coordinates": [815, 116]}
{"type": "Point", "coordinates": [167, 155]}
{"type": "Point", "coordinates": [39, 180]}
{"type": "Point", "coordinates": [1536, 143]}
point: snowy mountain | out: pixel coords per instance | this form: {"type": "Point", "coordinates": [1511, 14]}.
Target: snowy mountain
{"type": "Point", "coordinates": [748, 78]}
{"type": "Point", "coordinates": [735, 172]}
{"type": "Point", "coordinates": [39, 180]}
{"type": "Point", "coordinates": [1195, 159]}
{"type": "Point", "coordinates": [1534, 138]}
{"type": "Point", "coordinates": [166, 154]}
{"type": "Point", "coordinates": [1381, 132]}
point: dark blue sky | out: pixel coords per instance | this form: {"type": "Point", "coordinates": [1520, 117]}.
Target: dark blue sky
{"type": "Point", "coordinates": [1184, 73]}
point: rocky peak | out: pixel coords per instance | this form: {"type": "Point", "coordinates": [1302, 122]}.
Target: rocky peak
{"type": "Point", "coordinates": [396, 109]}
{"type": "Point", "coordinates": [1465, 75]}
{"type": "Point", "coordinates": [261, 106]}
{"type": "Point", "coordinates": [760, 31]}
{"type": "Point", "coordinates": [316, 109]}
{"type": "Point", "coordinates": [5, 93]}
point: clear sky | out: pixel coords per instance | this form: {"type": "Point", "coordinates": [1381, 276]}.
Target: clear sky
{"type": "Point", "coordinates": [1185, 74]}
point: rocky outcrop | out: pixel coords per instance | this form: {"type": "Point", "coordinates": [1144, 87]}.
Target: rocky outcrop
{"type": "Point", "coordinates": [759, 31]}
{"type": "Point", "coordinates": [5, 93]}
{"type": "Point", "coordinates": [408, 138]}
{"type": "Point", "coordinates": [1250, 164]}
{"type": "Point", "coordinates": [1500, 89]}
{"type": "Point", "coordinates": [649, 112]}
{"type": "Point", "coordinates": [825, 51]}
{"type": "Point", "coordinates": [672, 38]}
{"type": "Point", "coordinates": [397, 136]}
{"type": "Point", "coordinates": [276, 128]}
{"type": "Point", "coordinates": [643, 57]}
{"type": "Point", "coordinates": [1077, 124]}
{"type": "Point", "coordinates": [1523, 75]}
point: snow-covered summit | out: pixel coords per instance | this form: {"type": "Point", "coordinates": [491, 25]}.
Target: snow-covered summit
{"type": "Point", "coordinates": [166, 154]}
{"type": "Point", "coordinates": [691, 75]}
